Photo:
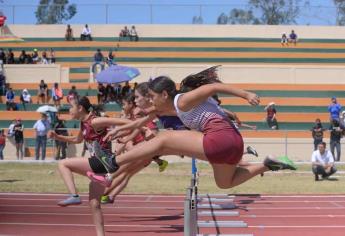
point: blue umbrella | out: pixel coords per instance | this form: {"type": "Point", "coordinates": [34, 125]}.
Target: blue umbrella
{"type": "Point", "coordinates": [117, 74]}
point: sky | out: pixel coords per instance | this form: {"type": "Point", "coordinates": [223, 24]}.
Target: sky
{"type": "Point", "coordinates": [320, 12]}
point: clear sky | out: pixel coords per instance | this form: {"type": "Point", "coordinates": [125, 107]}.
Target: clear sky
{"type": "Point", "coordinates": [319, 12]}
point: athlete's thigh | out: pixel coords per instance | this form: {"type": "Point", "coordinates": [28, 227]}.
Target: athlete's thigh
{"type": "Point", "coordinates": [188, 143]}
{"type": "Point", "coordinates": [78, 165]}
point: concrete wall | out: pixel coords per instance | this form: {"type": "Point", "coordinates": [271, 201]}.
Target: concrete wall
{"type": "Point", "coordinates": [257, 31]}
{"type": "Point", "coordinates": [34, 73]}
{"type": "Point", "coordinates": [250, 73]}
{"type": "Point", "coordinates": [297, 149]}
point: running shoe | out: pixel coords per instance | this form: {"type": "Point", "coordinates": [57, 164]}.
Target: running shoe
{"type": "Point", "coordinates": [107, 160]}
{"type": "Point", "coordinates": [251, 150]}
{"type": "Point", "coordinates": [164, 164]}
{"type": "Point", "coordinates": [71, 200]}
{"type": "Point", "coordinates": [105, 199]}
{"type": "Point", "coordinates": [279, 163]}
{"type": "Point", "coordinates": [103, 180]}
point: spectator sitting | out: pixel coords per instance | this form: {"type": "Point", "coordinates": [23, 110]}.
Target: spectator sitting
{"type": "Point", "coordinates": [44, 59]}
{"type": "Point", "coordinates": [322, 162]}
{"type": "Point", "coordinates": [2, 143]}
{"type": "Point", "coordinates": [336, 135]}
{"type": "Point", "coordinates": [110, 58]}
{"type": "Point", "coordinates": [86, 34]}
{"type": "Point", "coordinates": [25, 98]}
{"type": "Point", "coordinates": [2, 23]}
{"type": "Point", "coordinates": [101, 93]}
{"type": "Point", "coordinates": [334, 109]}
{"type": "Point", "coordinates": [133, 35]}
{"type": "Point", "coordinates": [22, 57]}
{"type": "Point", "coordinates": [271, 116]}
{"type": "Point", "coordinates": [10, 57]}
{"type": "Point", "coordinates": [10, 104]}
{"type": "Point", "coordinates": [293, 37]}
{"type": "Point", "coordinates": [284, 40]}
{"type": "Point", "coordinates": [72, 94]}
{"type": "Point", "coordinates": [2, 56]}
{"type": "Point", "coordinates": [35, 57]}
{"type": "Point", "coordinates": [69, 34]}
{"type": "Point", "coordinates": [52, 59]}
{"type": "Point", "coordinates": [317, 133]}
{"type": "Point", "coordinates": [98, 57]}
{"type": "Point", "coordinates": [125, 89]}
{"type": "Point", "coordinates": [57, 95]}
{"type": "Point", "coordinates": [2, 84]}
{"type": "Point", "coordinates": [124, 33]}
{"type": "Point", "coordinates": [42, 93]}
{"type": "Point", "coordinates": [110, 93]}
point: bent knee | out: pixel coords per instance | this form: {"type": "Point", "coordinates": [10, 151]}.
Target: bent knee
{"type": "Point", "coordinates": [94, 204]}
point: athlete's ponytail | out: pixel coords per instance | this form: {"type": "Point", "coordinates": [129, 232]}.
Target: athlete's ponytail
{"type": "Point", "coordinates": [191, 82]}
{"type": "Point", "coordinates": [88, 107]}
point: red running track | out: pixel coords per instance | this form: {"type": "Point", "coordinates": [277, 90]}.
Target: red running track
{"type": "Point", "coordinates": [302, 215]}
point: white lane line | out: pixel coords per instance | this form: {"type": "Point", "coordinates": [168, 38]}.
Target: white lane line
{"type": "Point", "coordinates": [160, 215]}
{"type": "Point", "coordinates": [335, 203]}
{"type": "Point", "coordinates": [296, 226]}
{"type": "Point", "coordinates": [105, 207]}
{"type": "Point", "coordinates": [86, 214]}
{"type": "Point", "coordinates": [304, 196]}
{"type": "Point", "coordinates": [88, 225]}
{"type": "Point", "coordinates": [86, 195]}
{"type": "Point", "coordinates": [148, 199]}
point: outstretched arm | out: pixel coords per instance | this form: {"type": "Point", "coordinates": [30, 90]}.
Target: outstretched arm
{"type": "Point", "coordinates": [69, 139]}
{"type": "Point", "coordinates": [130, 126]}
{"type": "Point", "coordinates": [101, 122]}
{"type": "Point", "coordinates": [195, 97]}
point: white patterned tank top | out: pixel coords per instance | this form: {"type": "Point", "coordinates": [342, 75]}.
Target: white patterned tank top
{"type": "Point", "coordinates": [197, 117]}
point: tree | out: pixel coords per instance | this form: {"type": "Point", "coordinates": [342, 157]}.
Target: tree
{"type": "Point", "coordinates": [198, 20]}
{"type": "Point", "coordinates": [276, 12]}
{"type": "Point", "coordinates": [242, 17]}
{"type": "Point", "coordinates": [54, 11]}
{"type": "Point", "coordinates": [267, 12]}
{"type": "Point", "coordinates": [340, 5]}
{"type": "Point", "coordinates": [222, 19]}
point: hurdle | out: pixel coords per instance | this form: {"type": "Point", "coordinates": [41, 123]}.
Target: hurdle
{"type": "Point", "coordinates": [214, 202]}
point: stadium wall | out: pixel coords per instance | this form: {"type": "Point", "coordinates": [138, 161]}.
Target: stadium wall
{"type": "Point", "coordinates": [250, 31]}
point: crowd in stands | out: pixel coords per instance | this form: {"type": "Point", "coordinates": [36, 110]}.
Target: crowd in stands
{"type": "Point", "coordinates": [113, 92]}
{"type": "Point", "coordinates": [27, 58]}
{"type": "Point", "coordinates": [132, 34]}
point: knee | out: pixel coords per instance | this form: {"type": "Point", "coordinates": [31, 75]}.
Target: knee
{"type": "Point", "coordinates": [62, 164]}
{"type": "Point", "coordinates": [95, 204]}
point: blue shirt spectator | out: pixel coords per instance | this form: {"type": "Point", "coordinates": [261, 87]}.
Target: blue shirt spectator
{"type": "Point", "coordinates": [10, 95]}
{"type": "Point", "coordinates": [334, 109]}
{"type": "Point", "coordinates": [42, 127]}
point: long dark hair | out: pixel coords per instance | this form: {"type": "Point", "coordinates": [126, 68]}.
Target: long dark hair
{"type": "Point", "coordinates": [88, 107]}
{"type": "Point", "coordinates": [163, 83]}
{"type": "Point", "coordinates": [208, 76]}
{"type": "Point", "coordinates": [143, 88]}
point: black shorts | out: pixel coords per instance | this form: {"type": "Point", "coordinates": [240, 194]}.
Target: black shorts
{"type": "Point", "coordinates": [97, 166]}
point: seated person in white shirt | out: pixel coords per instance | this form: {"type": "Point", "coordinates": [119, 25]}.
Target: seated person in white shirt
{"type": "Point", "coordinates": [322, 162]}
{"type": "Point", "coordinates": [25, 98]}
{"type": "Point", "coordinates": [133, 35]}
{"type": "Point", "coordinates": [86, 34]}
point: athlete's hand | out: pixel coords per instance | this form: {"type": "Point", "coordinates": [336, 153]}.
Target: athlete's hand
{"type": "Point", "coordinates": [52, 134]}
{"type": "Point", "coordinates": [253, 99]}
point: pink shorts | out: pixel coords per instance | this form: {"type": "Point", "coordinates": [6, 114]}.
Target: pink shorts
{"type": "Point", "coordinates": [223, 144]}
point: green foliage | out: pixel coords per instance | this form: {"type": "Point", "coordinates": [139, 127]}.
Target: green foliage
{"type": "Point", "coordinates": [340, 5]}
{"type": "Point", "coordinates": [267, 12]}
{"type": "Point", "coordinates": [54, 11]}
